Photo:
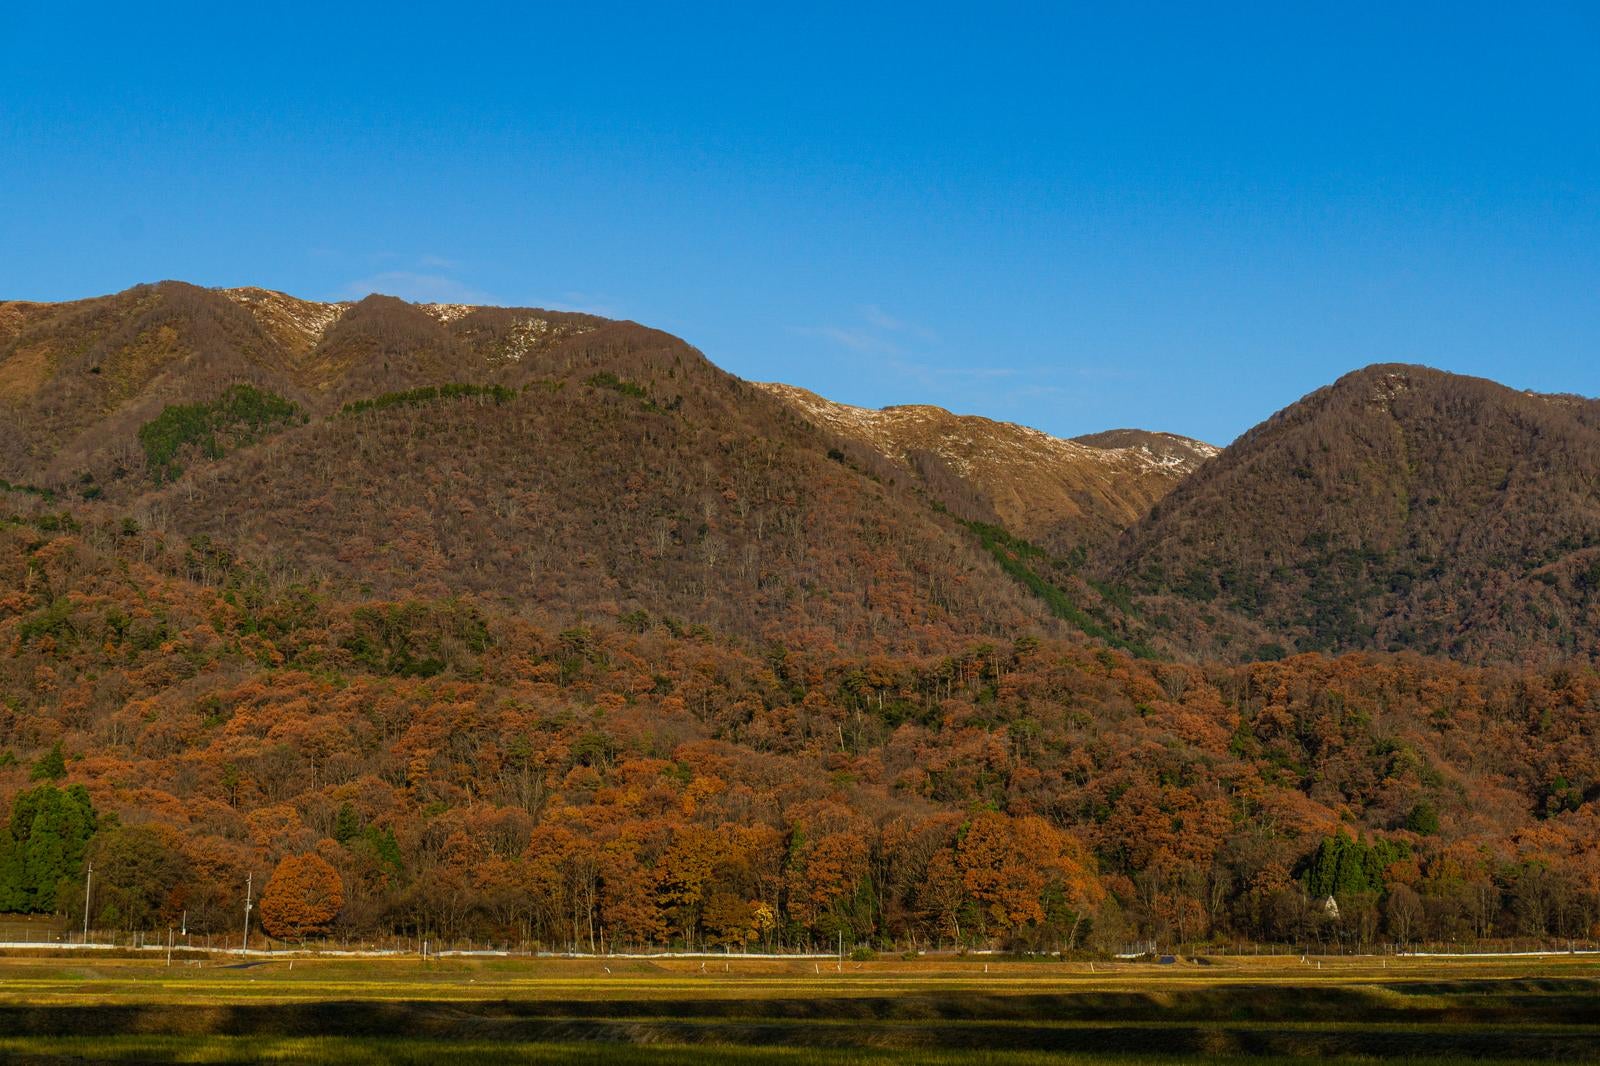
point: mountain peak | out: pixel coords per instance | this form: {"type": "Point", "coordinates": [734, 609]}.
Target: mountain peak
{"type": "Point", "coordinates": [1059, 492]}
{"type": "Point", "coordinates": [1401, 506]}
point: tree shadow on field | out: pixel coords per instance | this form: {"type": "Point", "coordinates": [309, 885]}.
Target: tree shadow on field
{"type": "Point", "coordinates": [1533, 1019]}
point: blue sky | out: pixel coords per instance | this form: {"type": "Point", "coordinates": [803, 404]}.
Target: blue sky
{"type": "Point", "coordinates": [1076, 217]}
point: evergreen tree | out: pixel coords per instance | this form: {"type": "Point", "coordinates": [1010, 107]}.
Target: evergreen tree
{"type": "Point", "coordinates": [346, 824]}
{"type": "Point", "coordinates": [51, 766]}
{"type": "Point", "coordinates": [43, 845]}
{"type": "Point", "coordinates": [14, 895]}
{"type": "Point", "coordinates": [1423, 819]}
{"type": "Point", "coordinates": [1343, 867]}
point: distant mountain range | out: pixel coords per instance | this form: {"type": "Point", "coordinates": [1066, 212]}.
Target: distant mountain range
{"type": "Point", "coordinates": [566, 463]}
{"type": "Point", "coordinates": [531, 624]}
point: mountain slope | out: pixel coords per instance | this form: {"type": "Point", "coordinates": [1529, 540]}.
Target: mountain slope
{"type": "Point", "coordinates": [1401, 507]}
{"type": "Point", "coordinates": [78, 379]}
{"type": "Point", "coordinates": [635, 477]}
{"type": "Point", "coordinates": [1063, 494]}
{"type": "Point", "coordinates": [561, 464]}
{"type": "Point", "coordinates": [469, 773]}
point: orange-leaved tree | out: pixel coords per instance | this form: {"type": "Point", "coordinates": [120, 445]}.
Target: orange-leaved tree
{"type": "Point", "coordinates": [302, 898]}
{"type": "Point", "coordinates": [1016, 868]}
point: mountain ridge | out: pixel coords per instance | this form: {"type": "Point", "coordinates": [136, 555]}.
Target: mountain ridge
{"type": "Point", "coordinates": [1399, 507]}
{"type": "Point", "coordinates": [558, 461]}
{"type": "Point", "coordinates": [1062, 493]}
{"type": "Point", "coordinates": [1410, 508]}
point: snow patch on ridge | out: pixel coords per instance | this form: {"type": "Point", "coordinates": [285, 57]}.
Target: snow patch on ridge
{"type": "Point", "coordinates": [530, 333]}
{"type": "Point", "coordinates": [448, 313]}
{"type": "Point", "coordinates": [286, 313]}
{"type": "Point", "coordinates": [967, 442]}
{"type": "Point", "coordinates": [525, 335]}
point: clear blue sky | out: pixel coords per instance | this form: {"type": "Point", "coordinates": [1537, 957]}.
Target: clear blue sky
{"type": "Point", "coordinates": [1075, 217]}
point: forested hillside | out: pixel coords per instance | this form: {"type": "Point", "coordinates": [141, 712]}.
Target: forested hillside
{"type": "Point", "coordinates": [558, 464]}
{"type": "Point", "coordinates": [1400, 507]}
{"type": "Point", "coordinates": [452, 621]}
{"type": "Point", "coordinates": [625, 782]}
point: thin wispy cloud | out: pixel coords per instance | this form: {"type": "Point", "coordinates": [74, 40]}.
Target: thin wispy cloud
{"type": "Point", "coordinates": [979, 373]}
{"type": "Point", "coordinates": [952, 380]}
{"type": "Point", "coordinates": [913, 354]}
{"type": "Point", "coordinates": [438, 262]}
{"type": "Point", "coordinates": [583, 303]}
{"type": "Point", "coordinates": [417, 288]}
{"type": "Point", "coordinates": [878, 318]}
{"type": "Point", "coordinates": [1038, 390]}
{"type": "Point", "coordinates": [876, 332]}
{"type": "Point", "coordinates": [857, 340]}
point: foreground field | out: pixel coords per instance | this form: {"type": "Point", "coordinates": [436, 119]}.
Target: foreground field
{"type": "Point", "coordinates": [680, 1011]}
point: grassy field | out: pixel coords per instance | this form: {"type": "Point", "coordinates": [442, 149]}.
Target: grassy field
{"type": "Point", "coordinates": [681, 1011]}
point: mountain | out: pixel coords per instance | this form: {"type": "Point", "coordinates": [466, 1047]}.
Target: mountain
{"type": "Point", "coordinates": [1400, 507]}
{"type": "Point", "coordinates": [1064, 495]}
{"type": "Point", "coordinates": [556, 463]}
{"type": "Point", "coordinates": [540, 627]}
{"type": "Point", "coordinates": [567, 466]}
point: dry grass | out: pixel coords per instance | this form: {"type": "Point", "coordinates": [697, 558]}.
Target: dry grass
{"type": "Point", "coordinates": [746, 1010]}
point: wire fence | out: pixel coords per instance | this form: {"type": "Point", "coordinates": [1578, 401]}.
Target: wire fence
{"type": "Point", "coordinates": [24, 935]}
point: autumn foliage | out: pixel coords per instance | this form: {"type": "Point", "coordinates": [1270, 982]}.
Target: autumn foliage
{"type": "Point", "coordinates": [612, 782]}
{"type": "Point", "coordinates": [302, 898]}
{"type": "Point", "coordinates": [534, 627]}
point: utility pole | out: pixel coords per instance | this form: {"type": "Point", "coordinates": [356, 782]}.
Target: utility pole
{"type": "Point", "coordinates": [88, 882]}
{"type": "Point", "coordinates": [249, 880]}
